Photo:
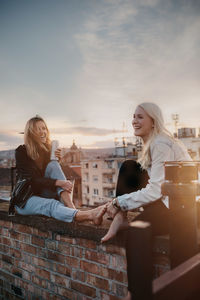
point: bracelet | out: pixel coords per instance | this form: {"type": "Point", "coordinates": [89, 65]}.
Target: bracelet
{"type": "Point", "coordinates": [115, 204]}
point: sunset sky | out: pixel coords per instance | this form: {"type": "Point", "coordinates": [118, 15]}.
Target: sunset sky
{"type": "Point", "coordinates": [84, 65]}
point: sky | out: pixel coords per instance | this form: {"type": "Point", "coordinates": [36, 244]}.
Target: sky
{"type": "Point", "coordinates": [84, 66]}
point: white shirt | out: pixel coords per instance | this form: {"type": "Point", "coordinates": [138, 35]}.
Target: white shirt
{"type": "Point", "coordinates": [162, 149]}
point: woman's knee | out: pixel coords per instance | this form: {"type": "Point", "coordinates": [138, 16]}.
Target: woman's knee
{"type": "Point", "coordinates": [53, 164]}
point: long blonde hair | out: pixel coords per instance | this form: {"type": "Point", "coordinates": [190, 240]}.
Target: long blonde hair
{"type": "Point", "coordinates": [155, 113]}
{"type": "Point", "coordinates": [32, 141]}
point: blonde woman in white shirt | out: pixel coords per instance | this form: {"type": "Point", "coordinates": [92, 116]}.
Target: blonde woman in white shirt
{"type": "Point", "coordinates": [139, 183]}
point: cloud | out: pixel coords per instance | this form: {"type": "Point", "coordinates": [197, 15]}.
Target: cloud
{"type": "Point", "coordinates": [102, 144]}
{"type": "Point", "coordinates": [131, 54]}
{"type": "Point", "coordinates": [10, 140]}
{"type": "Point", "coordinates": [85, 131]}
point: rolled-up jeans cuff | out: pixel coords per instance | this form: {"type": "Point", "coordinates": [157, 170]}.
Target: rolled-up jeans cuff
{"type": "Point", "coordinates": [59, 191]}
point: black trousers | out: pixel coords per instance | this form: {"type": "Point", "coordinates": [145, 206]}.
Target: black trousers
{"type": "Point", "coordinates": [132, 178]}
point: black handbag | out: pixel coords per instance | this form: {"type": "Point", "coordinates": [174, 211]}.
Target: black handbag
{"type": "Point", "coordinates": [21, 193]}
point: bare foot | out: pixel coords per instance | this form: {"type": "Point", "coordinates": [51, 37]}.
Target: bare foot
{"type": "Point", "coordinates": [119, 222]}
{"type": "Point", "coordinates": [97, 214]}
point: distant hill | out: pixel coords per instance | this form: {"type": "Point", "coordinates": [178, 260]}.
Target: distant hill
{"type": "Point", "coordinates": [88, 153]}
{"type": "Point", "coordinates": [9, 154]}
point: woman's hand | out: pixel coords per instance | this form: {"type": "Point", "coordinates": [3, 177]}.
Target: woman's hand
{"type": "Point", "coordinates": [65, 184]}
{"type": "Point", "coordinates": [111, 210]}
{"type": "Point", "coordinates": [58, 153]}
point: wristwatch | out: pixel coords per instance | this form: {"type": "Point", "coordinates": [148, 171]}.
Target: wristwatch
{"type": "Point", "coordinates": [115, 203]}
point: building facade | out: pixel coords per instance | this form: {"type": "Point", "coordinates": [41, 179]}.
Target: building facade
{"type": "Point", "coordinates": [99, 179]}
{"type": "Point", "coordinates": [191, 141]}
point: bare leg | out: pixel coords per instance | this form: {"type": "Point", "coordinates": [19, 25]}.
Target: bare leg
{"type": "Point", "coordinates": [119, 222]}
{"type": "Point", "coordinates": [67, 199]}
{"type": "Point", "coordinates": [95, 215]}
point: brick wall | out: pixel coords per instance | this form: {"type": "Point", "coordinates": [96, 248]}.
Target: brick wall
{"type": "Point", "coordinates": [41, 258]}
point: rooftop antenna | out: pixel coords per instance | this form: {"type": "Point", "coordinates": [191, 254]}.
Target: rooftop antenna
{"type": "Point", "coordinates": [175, 118]}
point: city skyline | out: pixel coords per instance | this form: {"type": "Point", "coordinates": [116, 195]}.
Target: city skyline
{"type": "Point", "coordinates": [85, 65]}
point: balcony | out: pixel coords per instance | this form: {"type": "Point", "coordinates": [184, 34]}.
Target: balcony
{"type": "Point", "coordinates": [108, 170]}
{"type": "Point", "coordinates": [109, 185]}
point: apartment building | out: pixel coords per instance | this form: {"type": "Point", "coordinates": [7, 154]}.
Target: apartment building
{"type": "Point", "coordinates": [191, 141]}
{"type": "Point", "coordinates": [99, 179]}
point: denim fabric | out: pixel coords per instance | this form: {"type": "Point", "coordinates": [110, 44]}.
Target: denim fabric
{"type": "Point", "coordinates": [49, 207]}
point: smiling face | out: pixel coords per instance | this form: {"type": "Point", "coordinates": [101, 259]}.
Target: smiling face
{"type": "Point", "coordinates": [142, 123]}
{"type": "Point", "coordinates": [41, 131]}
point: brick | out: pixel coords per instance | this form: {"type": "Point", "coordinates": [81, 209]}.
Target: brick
{"type": "Point", "coordinates": [23, 228]}
{"type": "Point", "coordinates": [77, 252]}
{"type": "Point", "coordinates": [83, 289]}
{"type": "Point", "coordinates": [37, 241]}
{"type": "Point", "coordinates": [100, 283]}
{"type": "Point", "coordinates": [119, 290]}
{"type": "Point", "coordinates": [67, 293]}
{"type": "Point", "coordinates": [28, 248]}
{"type": "Point", "coordinates": [118, 262]}
{"type": "Point", "coordinates": [89, 267]}
{"type": "Point", "coordinates": [15, 253]}
{"type": "Point", "coordinates": [26, 275]}
{"type": "Point", "coordinates": [38, 261]}
{"type": "Point", "coordinates": [7, 277]}
{"type": "Point", "coordinates": [52, 245]}
{"type": "Point", "coordinates": [6, 266]}
{"type": "Point", "coordinates": [60, 280]}
{"type": "Point", "coordinates": [64, 249]}
{"type": "Point", "coordinates": [78, 275]}
{"type": "Point", "coordinates": [65, 239]}
{"type": "Point", "coordinates": [4, 249]}
{"type": "Point", "coordinates": [7, 259]}
{"type": "Point", "coordinates": [42, 252]}
{"type": "Point", "coordinates": [6, 241]}
{"type": "Point", "coordinates": [113, 274]}
{"type": "Point", "coordinates": [56, 256]}
{"type": "Point", "coordinates": [26, 238]}
{"type": "Point", "coordinates": [6, 224]}
{"type": "Point", "coordinates": [71, 261]}
{"type": "Point", "coordinates": [42, 273]}
{"type": "Point", "coordinates": [17, 272]}
{"type": "Point", "coordinates": [27, 267]}
{"type": "Point", "coordinates": [113, 249]}
{"type": "Point", "coordinates": [99, 257]}
{"type": "Point", "coordinates": [65, 270]}
{"type": "Point", "coordinates": [44, 234]}
{"type": "Point", "coordinates": [86, 243]}
{"type": "Point", "coordinates": [4, 231]}
{"type": "Point", "coordinates": [38, 281]}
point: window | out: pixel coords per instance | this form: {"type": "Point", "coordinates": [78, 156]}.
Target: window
{"type": "Point", "coordinates": [88, 190]}
{"type": "Point", "coordinates": [95, 178]}
{"type": "Point", "coordinates": [86, 165]}
{"type": "Point", "coordinates": [96, 192]}
{"type": "Point", "coordinates": [109, 164]}
{"type": "Point", "coordinates": [95, 165]}
{"type": "Point", "coordinates": [110, 193]}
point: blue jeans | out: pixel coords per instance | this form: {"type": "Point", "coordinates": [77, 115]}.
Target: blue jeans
{"type": "Point", "coordinates": [49, 207]}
